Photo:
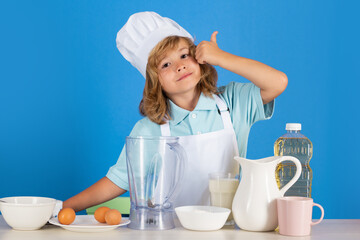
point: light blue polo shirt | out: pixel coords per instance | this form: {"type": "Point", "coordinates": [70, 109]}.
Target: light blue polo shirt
{"type": "Point", "coordinates": [245, 106]}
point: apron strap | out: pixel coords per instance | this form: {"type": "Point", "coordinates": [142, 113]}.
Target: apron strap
{"type": "Point", "coordinates": [225, 115]}
{"type": "Point", "coordinates": [224, 112]}
{"type": "Point", "coordinates": [165, 129]}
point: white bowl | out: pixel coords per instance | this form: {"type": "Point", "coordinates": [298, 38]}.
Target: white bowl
{"type": "Point", "coordinates": [27, 213]}
{"type": "Point", "coordinates": [202, 218]}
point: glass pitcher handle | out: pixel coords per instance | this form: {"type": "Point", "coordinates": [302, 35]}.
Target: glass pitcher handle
{"type": "Point", "coordinates": [296, 176]}
{"type": "Point", "coordinates": [182, 161]}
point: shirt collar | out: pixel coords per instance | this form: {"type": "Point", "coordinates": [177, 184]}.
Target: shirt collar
{"type": "Point", "coordinates": [178, 114]}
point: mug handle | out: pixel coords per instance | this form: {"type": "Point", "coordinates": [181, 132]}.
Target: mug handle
{"type": "Point", "coordinates": [297, 174]}
{"type": "Point", "coordinates": [322, 214]}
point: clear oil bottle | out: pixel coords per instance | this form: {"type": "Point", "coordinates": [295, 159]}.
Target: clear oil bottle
{"type": "Point", "coordinates": [295, 144]}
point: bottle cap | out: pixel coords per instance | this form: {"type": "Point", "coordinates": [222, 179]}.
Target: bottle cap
{"type": "Point", "coordinates": [293, 126]}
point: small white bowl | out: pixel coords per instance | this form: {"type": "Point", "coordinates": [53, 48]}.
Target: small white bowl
{"type": "Point", "coordinates": [27, 213]}
{"type": "Point", "coordinates": [202, 218]}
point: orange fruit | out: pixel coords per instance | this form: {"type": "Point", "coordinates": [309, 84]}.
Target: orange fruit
{"type": "Point", "coordinates": [113, 217]}
{"type": "Point", "coordinates": [66, 216]}
{"type": "Point", "coordinates": [100, 214]}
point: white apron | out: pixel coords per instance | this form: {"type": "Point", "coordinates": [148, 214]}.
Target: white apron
{"type": "Point", "coordinates": [206, 153]}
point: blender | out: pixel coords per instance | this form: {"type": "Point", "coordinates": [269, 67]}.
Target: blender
{"type": "Point", "coordinates": [155, 168]}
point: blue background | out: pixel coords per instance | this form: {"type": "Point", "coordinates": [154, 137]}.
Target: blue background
{"type": "Point", "coordinates": [68, 98]}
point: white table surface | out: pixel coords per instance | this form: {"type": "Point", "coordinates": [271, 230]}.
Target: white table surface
{"type": "Point", "coordinates": [339, 229]}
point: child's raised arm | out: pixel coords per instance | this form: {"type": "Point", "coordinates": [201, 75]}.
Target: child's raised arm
{"type": "Point", "coordinates": [270, 81]}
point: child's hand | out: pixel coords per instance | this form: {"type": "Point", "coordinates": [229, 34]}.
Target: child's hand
{"type": "Point", "coordinates": [209, 52]}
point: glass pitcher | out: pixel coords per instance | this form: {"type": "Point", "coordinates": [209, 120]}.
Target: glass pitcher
{"type": "Point", "coordinates": [155, 168]}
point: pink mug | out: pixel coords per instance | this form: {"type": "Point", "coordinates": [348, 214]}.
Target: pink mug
{"type": "Point", "coordinates": [295, 215]}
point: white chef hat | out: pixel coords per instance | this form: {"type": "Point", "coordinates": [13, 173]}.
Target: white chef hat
{"type": "Point", "coordinates": [141, 33]}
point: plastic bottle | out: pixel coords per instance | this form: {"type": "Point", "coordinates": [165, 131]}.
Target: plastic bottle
{"type": "Point", "coordinates": [295, 144]}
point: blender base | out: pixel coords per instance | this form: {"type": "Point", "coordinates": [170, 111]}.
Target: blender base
{"type": "Point", "coordinates": [151, 219]}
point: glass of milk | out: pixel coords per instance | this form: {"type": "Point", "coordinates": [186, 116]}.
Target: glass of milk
{"type": "Point", "coordinates": [222, 187]}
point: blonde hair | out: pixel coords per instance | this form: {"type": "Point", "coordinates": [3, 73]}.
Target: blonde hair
{"type": "Point", "coordinates": [155, 104]}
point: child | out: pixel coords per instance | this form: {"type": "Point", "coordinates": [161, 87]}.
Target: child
{"type": "Point", "coordinates": [181, 99]}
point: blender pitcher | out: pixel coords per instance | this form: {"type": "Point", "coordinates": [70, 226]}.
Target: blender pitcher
{"type": "Point", "coordinates": [155, 168]}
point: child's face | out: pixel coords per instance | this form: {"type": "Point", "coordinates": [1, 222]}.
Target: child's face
{"type": "Point", "coordinates": [178, 72]}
